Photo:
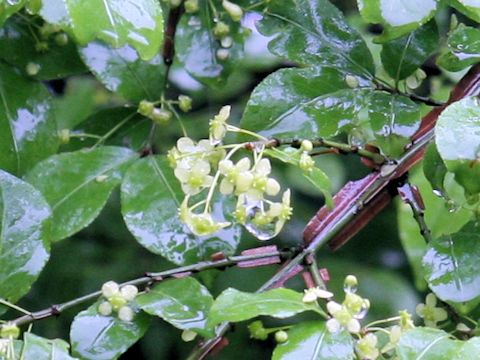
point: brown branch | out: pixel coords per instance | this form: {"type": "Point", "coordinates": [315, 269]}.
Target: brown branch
{"type": "Point", "coordinates": [357, 203]}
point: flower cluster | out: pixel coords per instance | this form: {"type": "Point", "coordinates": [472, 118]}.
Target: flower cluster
{"type": "Point", "coordinates": [352, 309]}
{"type": "Point", "coordinates": [117, 300]}
{"type": "Point", "coordinates": [207, 165]}
{"type": "Point", "coordinates": [405, 323]}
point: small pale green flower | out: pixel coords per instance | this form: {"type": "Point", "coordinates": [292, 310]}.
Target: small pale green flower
{"type": "Point", "coordinates": [193, 177]}
{"type": "Point", "coordinates": [306, 162]}
{"type": "Point", "coordinates": [312, 294]}
{"type": "Point", "coordinates": [203, 224]}
{"type": "Point", "coordinates": [232, 9]}
{"type": "Point", "coordinates": [366, 348]}
{"type": "Point", "coordinates": [430, 313]}
{"type": "Point", "coordinates": [188, 335]}
{"type": "Point", "coordinates": [218, 125]}
{"type": "Point", "coordinates": [406, 322]}
{"type": "Point", "coordinates": [341, 318]}
{"type": "Point", "coordinates": [237, 178]}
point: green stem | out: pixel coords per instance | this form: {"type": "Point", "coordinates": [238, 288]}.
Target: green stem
{"type": "Point", "coordinates": [13, 306]}
{"type": "Point", "coordinates": [113, 130]}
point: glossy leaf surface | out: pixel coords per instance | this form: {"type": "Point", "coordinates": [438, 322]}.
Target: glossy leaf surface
{"type": "Point", "coordinates": [8, 8]}
{"type": "Point", "coordinates": [397, 17]}
{"type": "Point", "coordinates": [151, 196]}
{"type": "Point", "coordinates": [233, 305]}
{"type": "Point", "coordinates": [184, 303]}
{"type": "Point", "coordinates": [434, 168]}
{"type": "Point", "coordinates": [471, 8]}
{"type": "Point", "coordinates": [18, 39]}
{"type": "Point", "coordinates": [457, 136]}
{"type": "Point", "coordinates": [97, 337]}
{"type": "Point", "coordinates": [315, 33]}
{"type": "Point", "coordinates": [122, 71]}
{"type": "Point", "coordinates": [24, 236]}
{"type": "Point", "coordinates": [402, 56]}
{"type": "Point", "coordinates": [77, 185]}
{"type": "Point", "coordinates": [312, 341]}
{"type": "Point", "coordinates": [36, 347]}
{"type": "Point", "coordinates": [427, 344]}
{"type": "Point", "coordinates": [137, 23]}
{"type": "Point", "coordinates": [464, 49]}
{"type": "Point", "coordinates": [451, 265]}
{"type": "Point", "coordinates": [28, 132]}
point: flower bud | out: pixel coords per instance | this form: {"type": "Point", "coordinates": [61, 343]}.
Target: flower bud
{"type": "Point", "coordinates": [64, 136]}
{"type": "Point", "coordinates": [306, 162]}
{"type": "Point", "coordinates": [257, 331]}
{"type": "Point", "coordinates": [185, 103]}
{"type": "Point", "coordinates": [235, 11]}
{"type": "Point", "coordinates": [306, 145]}
{"type": "Point", "coordinates": [145, 108]}
{"type": "Point", "coordinates": [188, 335]}
{"type": "Point", "coordinates": [109, 289]}
{"type": "Point", "coordinates": [281, 336]}
{"type": "Point", "coordinates": [160, 116]}
{"type": "Point", "coordinates": [129, 292]}
{"type": "Point", "coordinates": [191, 6]}
{"type": "Point", "coordinates": [226, 42]}
{"type": "Point", "coordinates": [9, 331]}
{"type": "Point", "coordinates": [33, 7]}
{"type": "Point", "coordinates": [222, 54]}
{"type": "Point", "coordinates": [350, 284]}
{"type": "Point", "coordinates": [273, 187]}
{"type": "Point", "coordinates": [221, 30]}
{"type": "Point", "coordinates": [175, 3]}
{"type": "Point", "coordinates": [101, 178]}
{"type": "Point", "coordinates": [32, 68]}
{"type": "Point", "coordinates": [105, 308]}
{"type": "Point", "coordinates": [126, 314]}
{"type": "Point", "coordinates": [61, 39]}
{"type": "Point", "coordinates": [41, 46]}
{"type": "Point", "coordinates": [351, 81]}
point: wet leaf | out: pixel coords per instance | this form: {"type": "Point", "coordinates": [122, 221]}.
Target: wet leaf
{"type": "Point", "coordinates": [24, 236]}
{"type": "Point", "coordinates": [184, 303]}
{"type": "Point", "coordinates": [97, 337]}
{"type": "Point", "coordinates": [77, 185]}
{"type": "Point", "coordinates": [36, 347]}
{"type": "Point", "coordinates": [311, 340]}
{"type": "Point", "coordinates": [132, 129]}
{"type": "Point", "coordinates": [471, 8]}
{"type": "Point", "coordinates": [457, 136]}
{"type": "Point", "coordinates": [402, 56]}
{"type": "Point", "coordinates": [196, 47]}
{"type": "Point", "coordinates": [469, 350]}
{"type": "Point", "coordinates": [28, 132]}
{"type": "Point", "coordinates": [464, 49]}
{"type": "Point", "coordinates": [122, 71]}
{"type": "Point", "coordinates": [427, 344]}
{"type": "Point", "coordinates": [397, 17]}
{"type": "Point", "coordinates": [137, 23]}
{"type": "Point", "coordinates": [233, 305]}
{"type": "Point", "coordinates": [315, 32]}
{"type": "Point", "coordinates": [18, 40]}
{"type": "Point", "coordinates": [151, 196]}
{"type": "Point", "coordinates": [8, 8]}
{"type": "Point", "coordinates": [434, 168]}
{"type": "Point", "coordinates": [451, 266]}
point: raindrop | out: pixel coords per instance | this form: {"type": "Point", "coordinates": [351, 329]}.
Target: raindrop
{"type": "Point", "coordinates": [13, 2]}
{"type": "Point", "coordinates": [194, 21]}
{"type": "Point", "coordinates": [451, 206]}
{"type": "Point", "coordinates": [386, 130]}
{"type": "Point", "coordinates": [261, 232]}
{"type": "Point", "coordinates": [363, 311]}
{"type": "Point", "coordinates": [439, 193]}
{"type": "Point", "coordinates": [350, 288]}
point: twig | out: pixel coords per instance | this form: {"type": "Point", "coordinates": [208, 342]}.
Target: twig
{"type": "Point", "coordinates": [414, 97]}
{"type": "Point", "coordinates": [153, 277]}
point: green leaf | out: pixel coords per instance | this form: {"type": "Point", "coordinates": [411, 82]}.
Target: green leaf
{"type": "Point", "coordinates": [132, 129]}
{"type": "Point", "coordinates": [469, 350]}
{"type": "Point", "coordinates": [123, 72]}
{"type": "Point", "coordinates": [184, 303]}
{"type": "Point", "coordinates": [316, 177]}
{"type": "Point", "coordinates": [401, 57]}
{"type": "Point", "coordinates": [234, 306]}
{"type": "Point", "coordinates": [397, 17]}
{"type": "Point", "coordinates": [316, 102]}
{"type": "Point", "coordinates": [464, 49]}
{"type": "Point", "coordinates": [434, 168]}
{"type": "Point", "coordinates": [77, 185]}
{"type": "Point", "coordinates": [28, 132]}
{"type": "Point", "coordinates": [97, 337]}
{"type": "Point", "coordinates": [451, 266]}
{"type": "Point", "coordinates": [8, 8]}
{"type": "Point", "coordinates": [24, 236]}
{"type": "Point", "coordinates": [427, 344]}
{"type": "Point", "coordinates": [36, 347]}
{"type": "Point", "coordinates": [77, 102]}
{"type": "Point", "coordinates": [457, 136]}
{"type": "Point", "coordinates": [18, 39]}
{"type": "Point", "coordinates": [311, 340]}
{"type": "Point", "coordinates": [315, 32]}
{"type": "Point", "coordinates": [196, 47]}
{"type": "Point", "coordinates": [151, 196]}
{"type": "Point", "coordinates": [471, 8]}
{"type": "Point", "coordinates": [138, 23]}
